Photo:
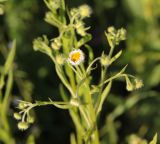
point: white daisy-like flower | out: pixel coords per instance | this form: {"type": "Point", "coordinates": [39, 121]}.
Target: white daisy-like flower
{"type": "Point", "coordinates": [76, 57]}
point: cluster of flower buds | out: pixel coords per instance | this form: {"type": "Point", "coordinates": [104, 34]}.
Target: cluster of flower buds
{"type": "Point", "coordinates": [79, 14]}
{"type": "Point", "coordinates": [23, 116]}
{"type": "Point", "coordinates": [80, 28]}
{"type": "Point", "coordinates": [130, 86]}
{"type": "Point", "coordinates": [41, 44]}
{"type": "Point", "coordinates": [115, 36]}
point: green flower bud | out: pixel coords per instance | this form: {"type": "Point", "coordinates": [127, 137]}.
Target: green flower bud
{"type": "Point", "coordinates": [23, 125]}
{"type": "Point", "coordinates": [60, 59]}
{"type": "Point", "coordinates": [105, 61]}
{"type": "Point", "coordinates": [55, 4]}
{"type": "Point", "coordinates": [122, 34]}
{"type": "Point", "coordinates": [138, 83]}
{"type": "Point", "coordinates": [81, 31]}
{"type": "Point", "coordinates": [79, 24]}
{"type": "Point", "coordinates": [30, 119]}
{"type": "Point", "coordinates": [22, 105]}
{"type": "Point", "coordinates": [73, 11]}
{"type": "Point", "coordinates": [41, 44]}
{"type": "Point", "coordinates": [56, 44]}
{"type": "Point", "coordinates": [85, 11]}
{"type": "Point", "coordinates": [129, 85]}
{"type": "Point", "coordinates": [111, 29]}
{"type": "Point", "coordinates": [17, 116]}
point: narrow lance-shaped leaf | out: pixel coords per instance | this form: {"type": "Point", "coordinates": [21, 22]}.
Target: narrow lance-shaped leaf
{"type": "Point", "coordinates": [73, 139]}
{"type": "Point", "coordinates": [10, 58]}
{"type": "Point", "coordinates": [84, 40]}
{"type": "Point", "coordinates": [154, 140]}
{"type": "Point", "coordinates": [103, 97]}
{"type": "Point", "coordinates": [116, 57]}
{"type": "Point", "coordinates": [90, 53]}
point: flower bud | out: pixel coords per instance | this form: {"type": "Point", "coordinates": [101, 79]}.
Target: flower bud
{"type": "Point", "coordinates": [105, 61]}
{"type": "Point", "coordinates": [111, 29]}
{"type": "Point", "coordinates": [55, 4]}
{"type": "Point", "coordinates": [17, 116]}
{"type": "Point", "coordinates": [56, 44]}
{"type": "Point", "coordinates": [81, 31]}
{"type": "Point", "coordinates": [122, 34]}
{"type": "Point", "coordinates": [85, 11]}
{"type": "Point", "coordinates": [73, 11]}
{"type": "Point", "coordinates": [79, 24]}
{"type": "Point", "coordinates": [129, 85]}
{"type": "Point", "coordinates": [138, 83]}
{"type": "Point", "coordinates": [60, 59]}
{"type": "Point", "coordinates": [30, 119]}
{"type": "Point", "coordinates": [22, 105]}
{"type": "Point", "coordinates": [23, 125]}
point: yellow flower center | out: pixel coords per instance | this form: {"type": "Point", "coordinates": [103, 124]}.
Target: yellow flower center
{"type": "Point", "coordinates": [75, 56]}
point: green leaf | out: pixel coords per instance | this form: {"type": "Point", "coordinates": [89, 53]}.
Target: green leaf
{"type": "Point", "coordinates": [116, 57]}
{"type": "Point", "coordinates": [10, 58]}
{"type": "Point", "coordinates": [63, 93]}
{"type": "Point", "coordinates": [84, 40]}
{"type": "Point", "coordinates": [103, 97]}
{"type": "Point", "coordinates": [73, 139]}
{"type": "Point", "coordinates": [90, 53]}
{"type": "Point", "coordinates": [154, 140]}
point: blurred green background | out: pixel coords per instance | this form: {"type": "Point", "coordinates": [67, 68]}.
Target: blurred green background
{"type": "Point", "coordinates": [136, 113]}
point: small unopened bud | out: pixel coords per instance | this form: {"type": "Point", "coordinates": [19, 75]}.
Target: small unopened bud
{"type": "Point", "coordinates": [111, 29]}
{"type": "Point", "coordinates": [74, 102]}
{"type": "Point", "coordinates": [56, 44]}
{"type": "Point", "coordinates": [129, 85]}
{"type": "Point", "coordinates": [105, 60]}
{"type": "Point", "coordinates": [30, 119]}
{"type": "Point", "coordinates": [23, 125]}
{"type": "Point", "coordinates": [22, 105]}
{"type": "Point", "coordinates": [60, 59]}
{"type": "Point", "coordinates": [73, 11]}
{"type": "Point", "coordinates": [85, 11]}
{"type": "Point", "coordinates": [138, 83]}
{"type": "Point", "coordinates": [55, 4]}
{"type": "Point", "coordinates": [17, 116]}
{"type": "Point", "coordinates": [122, 34]}
{"type": "Point", "coordinates": [81, 31]}
{"type": "Point", "coordinates": [79, 24]}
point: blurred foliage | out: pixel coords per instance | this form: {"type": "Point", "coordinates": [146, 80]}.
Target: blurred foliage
{"type": "Point", "coordinates": [136, 114]}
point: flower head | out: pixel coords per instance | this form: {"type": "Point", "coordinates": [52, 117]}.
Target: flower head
{"type": "Point", "coordinates": [76, 57]}
{"type": "Point", "coordinates": [138, 83]}
{"type": "Point", "coordinates": [85, 11]}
